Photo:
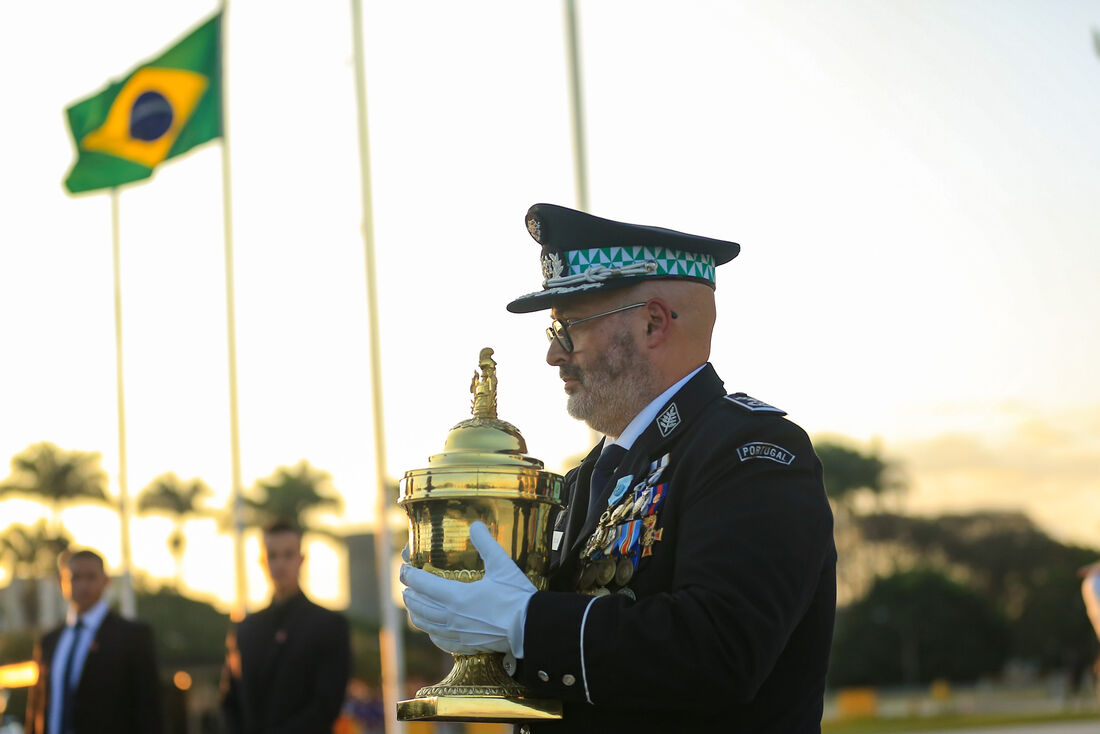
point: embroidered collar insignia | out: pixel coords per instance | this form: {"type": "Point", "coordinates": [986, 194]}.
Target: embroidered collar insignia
{"type": "Point", "coordinates": [668, 420]}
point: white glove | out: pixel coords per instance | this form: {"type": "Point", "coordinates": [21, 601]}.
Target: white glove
{"type": "Point", "coordinates": [486, 615]}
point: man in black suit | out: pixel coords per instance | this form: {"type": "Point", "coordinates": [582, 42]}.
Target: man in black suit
{"type": "Point", "coordinates": [693, 572]}
{"type": "Point", "coordinates": [287, 666]}
{"type": "Point", "coordinates": [97, 674]}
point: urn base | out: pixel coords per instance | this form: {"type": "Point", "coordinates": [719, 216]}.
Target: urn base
{"type": "Point", "coordinates": [477, 689]}
{"type": "Point", "coordinates": [504, 709]}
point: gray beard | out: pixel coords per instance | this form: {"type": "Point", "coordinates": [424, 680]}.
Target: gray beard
{"type": "Point", "coordinates": [613, 389]}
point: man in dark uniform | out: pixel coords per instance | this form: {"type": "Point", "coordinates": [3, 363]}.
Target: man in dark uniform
{"type": "Point", "coordinates": [98, 672]}
{"type": "Point", "coordinates": [693, 582]}
{"type": "Point", "coordinates": [287, 668]}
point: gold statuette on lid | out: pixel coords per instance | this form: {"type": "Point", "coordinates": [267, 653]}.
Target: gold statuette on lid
{"type": "Point", "coordinates": [483, 473]}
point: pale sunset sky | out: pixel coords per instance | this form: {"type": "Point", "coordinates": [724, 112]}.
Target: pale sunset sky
{"type": "Point", "coordinates": [915, 186]}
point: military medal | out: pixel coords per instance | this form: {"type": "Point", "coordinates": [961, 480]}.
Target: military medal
{"type": "Point", "coordinates": [621, 487]}
{"type": "Point", "coordinates": [655, 501]}
{"type": "Point", "coordinates": [605, 571]}
{"type": "Point", "coordinates": [650, 535]}
{"type": "Point", "coordinates": [588, 577]}
{"type": "Point", "coordinates": [624, 571]}
{"type": "Point", "coordinates": [656, 469]}
{"type": "Point", "coordinates": [621, 511]}
{"type": "Point", "coordinates": [625, 532]}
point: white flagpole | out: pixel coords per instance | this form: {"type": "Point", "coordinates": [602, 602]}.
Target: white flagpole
{"type": "Point", "coordinates": [576, 100]}
{"type": "Point", "coordinates": [237, 500]}
{"type": "Point", "coordinates": [576, 105]}
{"type": "Point", "coordinates": [129, 604]}
{"type": "Point", "coordinates": [389, 631]}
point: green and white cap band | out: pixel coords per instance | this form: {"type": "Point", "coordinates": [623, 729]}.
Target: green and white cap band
{"type": "Point", "coordinates": [599, 264]}
{"type": "Point", "coordinates": [584, 255]}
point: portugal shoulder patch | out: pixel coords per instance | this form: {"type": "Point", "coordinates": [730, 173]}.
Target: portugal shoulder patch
{"type": "Point", "coordinates": [743, 401]}
{"type": "Point", "coordinates": [769, 451]}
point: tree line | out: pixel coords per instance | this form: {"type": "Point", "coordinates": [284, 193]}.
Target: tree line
{"type": "Point", "coordinates": [58, 478]}
{"type": "Point", "coordinates": [954, 597]}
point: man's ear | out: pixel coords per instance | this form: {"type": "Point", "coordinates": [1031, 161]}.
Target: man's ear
{"type": "Point", "coordinates": [659, 318]}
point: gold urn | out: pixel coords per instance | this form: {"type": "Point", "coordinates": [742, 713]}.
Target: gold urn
{"type": "Point", "coordinates": [483, 473]}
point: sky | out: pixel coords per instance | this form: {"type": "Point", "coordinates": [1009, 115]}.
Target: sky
{"type": "Point", "coordinates": [913, 185]}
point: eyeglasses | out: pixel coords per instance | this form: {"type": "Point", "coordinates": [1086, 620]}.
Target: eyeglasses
{"type": "Point", "coordinates": [560, 329]}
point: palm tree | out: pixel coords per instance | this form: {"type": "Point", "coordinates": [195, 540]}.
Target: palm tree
{"type": "Point", "coordinates": [31, 554]}
{"type": "Point", "coordinates": [849, 475]}
{"type": "Point", "coordinates": [847, 471]}
{"type": "Point", "coordinates": [56, 477]}
{"type": "Point", "coordinates": [170, 495]}
{"type": "Point", "coordinates": [291, 492]}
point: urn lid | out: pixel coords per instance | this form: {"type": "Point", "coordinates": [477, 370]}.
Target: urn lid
{"type": "Point", "coordinates": [484, 439]}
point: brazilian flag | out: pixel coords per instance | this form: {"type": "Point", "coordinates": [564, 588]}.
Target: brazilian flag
{"type": "Point", "coordinates": [160, 110]}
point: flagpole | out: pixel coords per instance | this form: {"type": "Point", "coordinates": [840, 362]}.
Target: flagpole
{"type": "Point", "coordinates": [389, 630]}
{"type": "Point", "coordinates": [576, 107]}
{"type": "Point", "coordinates": [576, 103]}
{"type": "Point", "coordinates": [237, 500]}
{"type": "Point", "coordinates": [129, 604]}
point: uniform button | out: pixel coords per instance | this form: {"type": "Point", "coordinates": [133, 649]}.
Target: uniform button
{"type": "Point", "coordinates": [568, 679]}
{"type": "Point", "coordinates": [544, 676]}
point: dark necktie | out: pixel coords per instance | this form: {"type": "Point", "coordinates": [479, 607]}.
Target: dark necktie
{"type": "Point", "coordinates": [602, 473]}
{"type": "Point", "coordinates": [67, 687]}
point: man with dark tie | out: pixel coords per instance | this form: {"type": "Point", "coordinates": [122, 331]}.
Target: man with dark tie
{"type": "Point", "coordinates": [98, 672]}
{"type": "Point", "coordinates": [287, 665]}
{"type": "Point", "coordinates": [693, 573]}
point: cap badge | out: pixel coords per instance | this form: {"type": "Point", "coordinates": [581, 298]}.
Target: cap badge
{"type": "Point", "coordinates": [551, 266]}
{"type": "Point", "coordinates": [534, 226]}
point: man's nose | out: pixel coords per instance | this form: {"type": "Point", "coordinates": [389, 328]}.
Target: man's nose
{"type": "Point", "coordinates": [556, 356]}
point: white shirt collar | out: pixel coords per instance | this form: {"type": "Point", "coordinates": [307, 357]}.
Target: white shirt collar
{"type": "Point", "coordinates": [648, 414]}
{"type": "Point", "coordinates": [91, 618]}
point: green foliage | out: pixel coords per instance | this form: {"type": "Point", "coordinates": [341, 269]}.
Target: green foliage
{"type": "Point", "coordinates": [423, 660]}
{"type": "Point", "coordinates": [16, 646]}
{"type": "Point", "coordinates": [289, 493]}
{"type": "Point", "coordinates": [56, 476]}
{"type": "Point", "coordinates": [915, 627]}
{"type": "Point", "coordinates": [951, 723]}
{"type": "Point", "coordinates": [1027, 575]}
{"type": "Point", "coordinates": [847, 471]}
{"type": "Point", "coordinates": [172, 496]}
{"type": "Point", "coordinates": [31, 553]}
{"type": "Point", "coordinates": [188, 632]}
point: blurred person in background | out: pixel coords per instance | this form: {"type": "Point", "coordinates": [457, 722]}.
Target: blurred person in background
{"type": "Point", "coordinates": [97, 672]}
{"type": "Point", "coordinates": [287, 665]}
{"type": "Point", "coordinates": [1090, 591]}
